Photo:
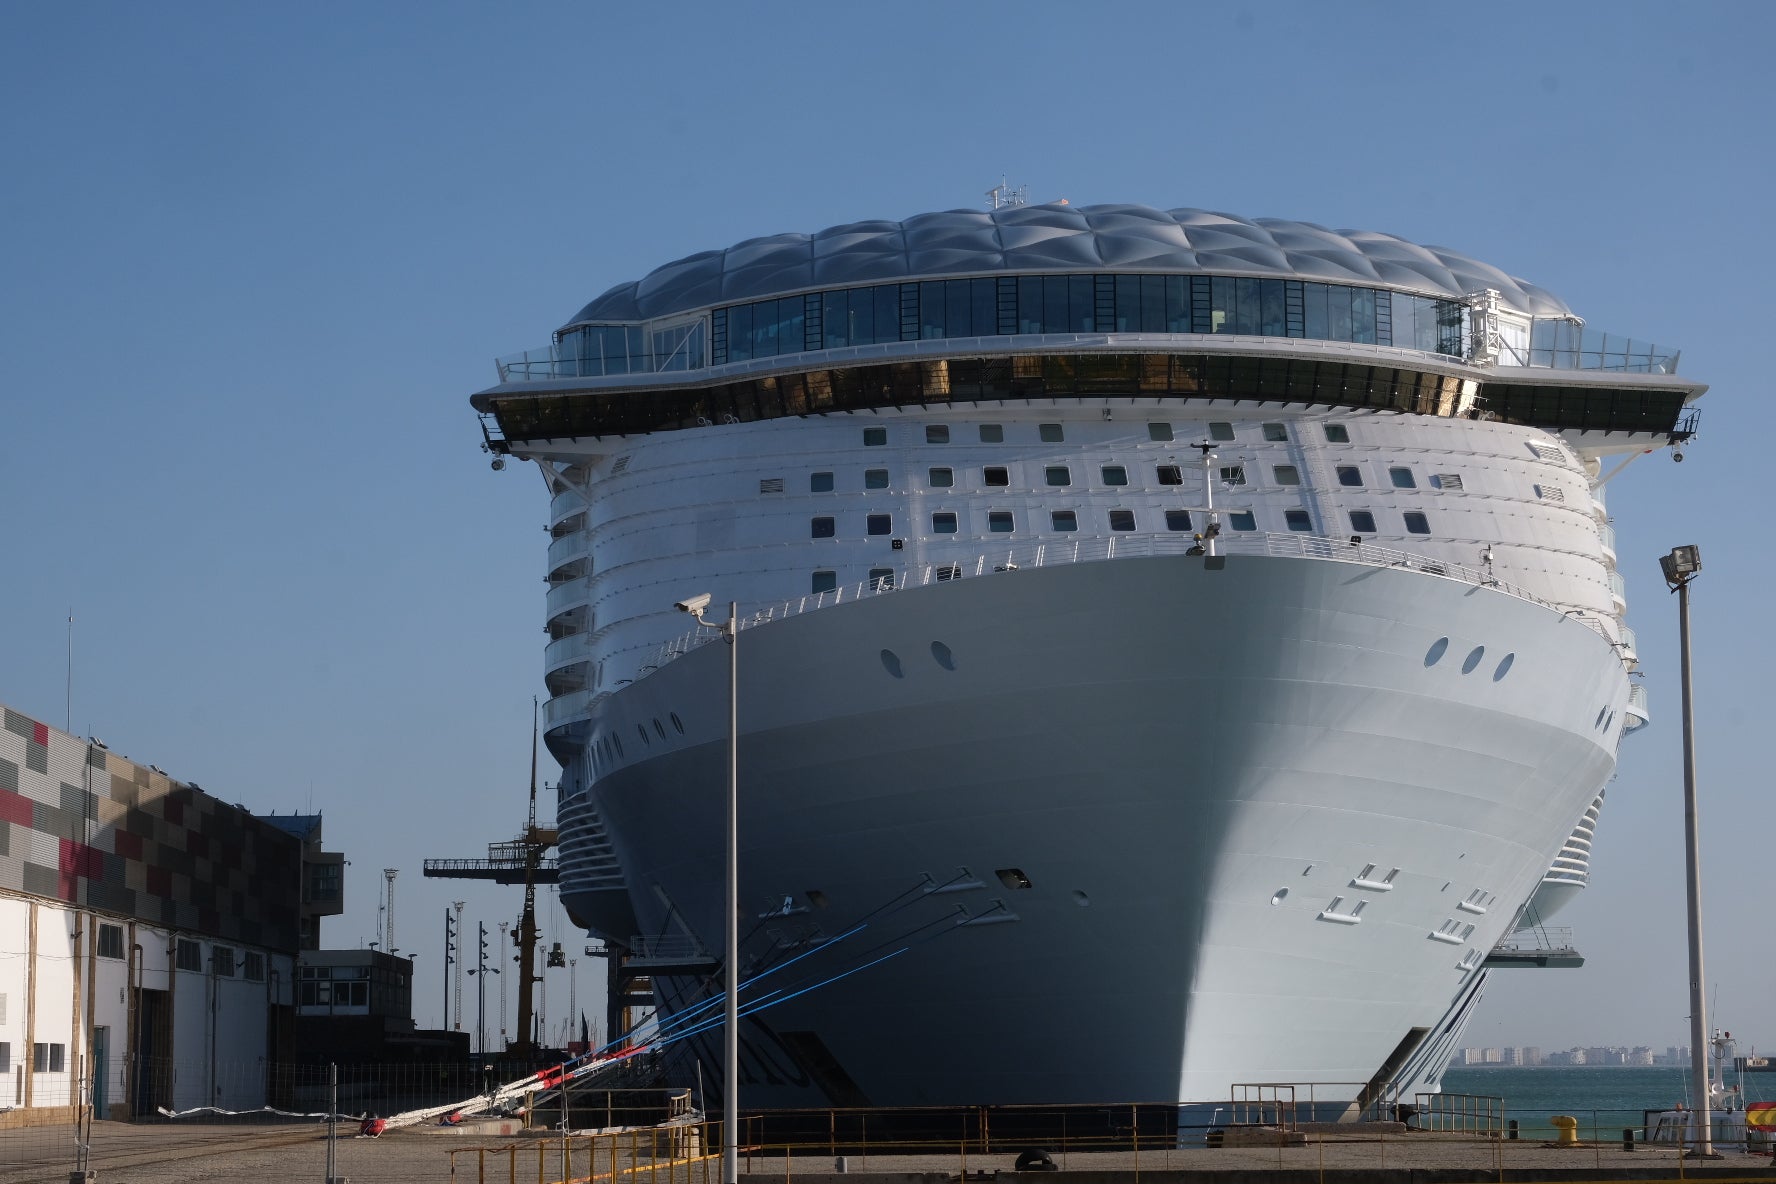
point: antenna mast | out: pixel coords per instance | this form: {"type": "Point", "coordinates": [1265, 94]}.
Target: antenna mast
{"type": "Point", "coordinates": [1004, 195]}
{"type": "Point", "coordinates": [388, 873]}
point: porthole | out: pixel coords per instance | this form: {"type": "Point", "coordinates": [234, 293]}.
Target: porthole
{"type": "Point", "coordinates": [658, 730]}
{"type": "Point", "coordinates": [676, 722]}
{"type": "Point", "coordinates": [1504, 667]}
{"type": "Point", "coordinates": [944, 657]}
{"type": "Point", "coordinates": [1473, 659]}
{"type": "Point", "coordinates": [1281, 893]}
{"type": "Point", "coordinates": [1081, 899]}
{"type": "Point", "coordinates": [1601, 712]}
{"type": "Point", "coordinates": [891, 663]}
{"type": "Point", "coordinates": [642, 729]}
{"type": "Point", "coordinates": [1013, 877]}
{"type": "Point", "coordinates": [817, 898]}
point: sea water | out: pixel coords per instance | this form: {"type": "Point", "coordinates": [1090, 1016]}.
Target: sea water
{"type": "Point", "coordinates": [1604, 1098]}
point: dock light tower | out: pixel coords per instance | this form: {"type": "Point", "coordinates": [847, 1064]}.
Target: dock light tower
{"type": "Point", "coordinates": [1680, 567]}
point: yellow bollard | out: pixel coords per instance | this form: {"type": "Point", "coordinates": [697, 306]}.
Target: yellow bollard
{"type": "Point", "coordinates": [1566, 1130]}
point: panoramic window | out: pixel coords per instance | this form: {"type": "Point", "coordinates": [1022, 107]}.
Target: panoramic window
{"type": "Point", "coordinates": [1336, 433]}
{"type": "Point", "coordinates": [875, 437]}
{"type": "Point", "coordinates": [1051, 433]}
{"type": "Point", "coordinates": [1159, 431]}
{"type": "Point", "coordinates": [1057, 475]}
{"type": "Point", "coordinates": [821, 528]}
{"type": "Point", "coordinates": [999, 521]}
{"type": "Point", "coordinates": [1115, 475]}
{"type": "Point", "coordinates": [1402, 478]}
{"type": "Point", "coordinates": [943, 522]}
{"type": "Point", "coordinates": [1297, 520]}
{"type": "Point", "coordinates": [875, 478]}
{"type": "Point", "coordinates": [995, 475]}
{"type": "Point", "coordinates": [820, 483]}
{"type": "Point", "coordinates": [992, 433]}
{"type": "Point", "coordinates": [1169, 474]}
{"type": "Point", "coordinates": [1416, 523]}
{"type": "Point", "coordinates": [1275, 432]}
{"type": "Point", "coordinates": [1177, 519]}
{"type": "Point", "coordinates": [1242, 520]}
{"type": "Point", "coordinates": [937, 433]}
{"type": "Point", "coordinates": [1362, 521]}
{"type": "Point", "coordinates": [1122, 519]}
{"type": "Point", "coordinates": [1286, 474]}
{"type": "Point", "coordinates": [823, 581]}
{"type": "Point", "coordinates": [942, 478]}
{"type": "Point", "coordinates": [1063, 520]}
{"type": "Point", "coordinates": [1350, 475]}
{"type": "Point", "coordinates": [879, 524]}
{"type": "Point", "coordinates": [1220, 431]}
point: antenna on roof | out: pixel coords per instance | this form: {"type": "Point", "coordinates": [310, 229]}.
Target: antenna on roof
{"type": "Point", "coordinates": [1003, 195]}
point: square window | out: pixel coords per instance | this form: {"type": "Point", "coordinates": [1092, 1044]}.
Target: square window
{"type": "Point", "coordinates": [1220, 431]}
{"type": "Point", "coordinates": [999, 521]}
{"type": "Point", "coordinates": [1177, 519]}
{"type": "Point", "coordinates": [1276, 432]}
{"type": "Point", "coordinates": [823, 581]}
{"type": "Point", "coordinates": [942, 478]}
{"type": "Point", "coordinates": [820, 483]}
{"type": "Point", "coordinates": [875, 478]}
{"type": "Point", "coordinates": [1297, 520]}
{"type": "Point", "coordinates": [1063, 520]}
{"type": "Point", "coordinates": [879, 524]}
{"type": "Point", "coordinates": [992, 433]}
{"type": "Point", "coordinates": [937, 433]}
{"type": "Point", "coordinates": [1416, 523]}
{"type": "Point", "coordinates": [996, 475]}
{"type": "Point", "coordinates": [1051, 433]}
{"type": "Point", "coordinates": [188, 955]}
{"type": "Point", "coordinates": [1362, 521]}
{"type": "Point", "coordinates": [1169, 474]}
{"type": "Point", "coordinates": [943, 522]}
{"type": "Point", "coordinates": [1115, 475]}
{"type": "Point", "coordinates": [1057, 475]}
{"type": "Point", "coordinates": [1351, 476]}
{"type": "Point", "coordinates": [1159, 431]}
{"type": "Point", "coordinates": [1242, 520]}
{"type": "Point", "coordinates": [1402, 479]}
{"type": "Point", "coordinates": [875, 437]}
{"type": "Point", "coordinates": [1336, 433]}
{"type": "Point", "coordinates": [881, 578]}
{"type": "Point", "coordinates": [110, 941]}
{"type": "Point", "coordinates": [1122, 519]}
{"type": "Point", "coordinates": [1286, 474]}
{"type": "Point", "coordinates": [1234, 474]}
{"type": "Point", "coordinates": [821, 528]}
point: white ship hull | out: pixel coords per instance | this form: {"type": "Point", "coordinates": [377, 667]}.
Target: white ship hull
{"type": "Point", "coordinates": [1267, 837]}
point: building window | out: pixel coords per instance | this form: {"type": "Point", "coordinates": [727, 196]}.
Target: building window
{"type": "Point", "coordinates": [222, 961]}
{"type": "Point", "coordinates": [5, 1056]}
{"type": "Point", "coordinates": [875, 478]}
{"type": "Point", "coordinates": [821, 528]}
{"type": "Point", "coordinates": [820, 483]}
{"type": "Point", "coordinates": [943, 478]}
{"type": "Point", "coordinates": [996, 475]}
{"type": "Point", "coordinates": [1050, 433]}
{"type": "Point", "coordinates": [1416, 523]}
{"type": "Point", "coordinates": [1234, 474]}
{"type": "Point", "coordinates": [1362, 521]}
{"type": "Point", "coordinates": [999, 521]}
{"type": "Point", "coordinates": [1063, 520]}
{"type": "Point", "coordinates": [188, 955]}
{"type": "Point", "coordinates": [1122, 519]}
{"type": "Point", "coordinates": [1115, 475]}
{"type": "Point", "coordinates": [875, 437]}
{"type": "Point", "coordinates": [110, 941]}
{"type": "Point", "coordinates": [937, 433]}
{"type": "Point", "coordinates": [992, 433]}
{"type": "Point", "coordinates": [1286, 474]}
{"type": "Point", "coordinates": [1402, 478]}
{"type": "Point", "coordinates": [1297, 520]}
{"type": "Point", "coordinates": [1242, 520]}
{"type": "Point", "coordinates": [1350, 476]}
{"type": "Point", "coordinates": [881, 579]}
{"type": "Point", "coordinates": [1336, 433]}
{"type": "Point", "coordinates": [943, 522]}
{"type": "Point", "coordinates": [1220, 431]}
{"type": "Point", "coordinates": [1177, 519]}
{"type": "Point", "coordinates": [255, 966]}
{"type": "Point", "coordinates": [879, 524]}
{"type": "Point", "coordinates": [1276, 433]}
{"type": "Point", "coordinates": [823, 581]}
{"type": "Point", "coordinates": [49, 1058]}
{"type": "Point", "coordinates": [1169, 474]}
{"type": "Point", "coordinates": [1159, 431]}
{"type": "Point", "coordinates": [1446, 481]}
{"type": "Point", "coordinates": [1057, 475]}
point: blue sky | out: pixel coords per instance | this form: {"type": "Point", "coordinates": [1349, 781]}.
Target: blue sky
{"type": "Point", "coordinates": [257, 258]}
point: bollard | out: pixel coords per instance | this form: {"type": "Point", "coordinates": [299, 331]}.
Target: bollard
{"type": "Point", "coordinates": [1566, 1130]}
{"type": "Point", "coordinates": [1627, 1138]}
{"type": "Point", "coordinates": [840, 1166]}
{"type": "Point", "coordinates": [1511, 1129]}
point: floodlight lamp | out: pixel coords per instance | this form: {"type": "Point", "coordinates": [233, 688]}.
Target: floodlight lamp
{"type": "Point", "coordinates": [1681, 564]}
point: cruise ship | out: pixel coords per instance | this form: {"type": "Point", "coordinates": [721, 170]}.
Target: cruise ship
{"type": "Point", "coordinates": [1175, 649]}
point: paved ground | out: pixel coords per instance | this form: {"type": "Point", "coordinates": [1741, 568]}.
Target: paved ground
{"type": "Point", "coordinates": [177, 1153]}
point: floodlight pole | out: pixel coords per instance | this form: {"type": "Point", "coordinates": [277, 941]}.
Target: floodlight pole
{"type": "Point", "coordinates": [731, 957]}
{"type": "Point", "coordinates": [1680, 568]}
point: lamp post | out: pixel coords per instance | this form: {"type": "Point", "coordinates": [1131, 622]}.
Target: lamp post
{"type": "Point", "coordinates": [1680, 567]}
{"type": "Point", "coordinates": [731, 939]}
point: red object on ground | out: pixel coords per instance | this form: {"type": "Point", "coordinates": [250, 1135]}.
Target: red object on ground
{"type": "Point", "coordinates": [373, 1126]}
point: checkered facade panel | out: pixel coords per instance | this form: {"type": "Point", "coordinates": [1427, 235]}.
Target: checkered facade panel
{"type": "Point", "coordinates": [80, 824]}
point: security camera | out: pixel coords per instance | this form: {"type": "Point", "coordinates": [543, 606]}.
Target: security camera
{"type": "Point", "coordinates": [499, 462]}
{"type": "Point", "coordinates": [1677, 455]}
{"type": "Point", "coordinates": [694, 604]}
